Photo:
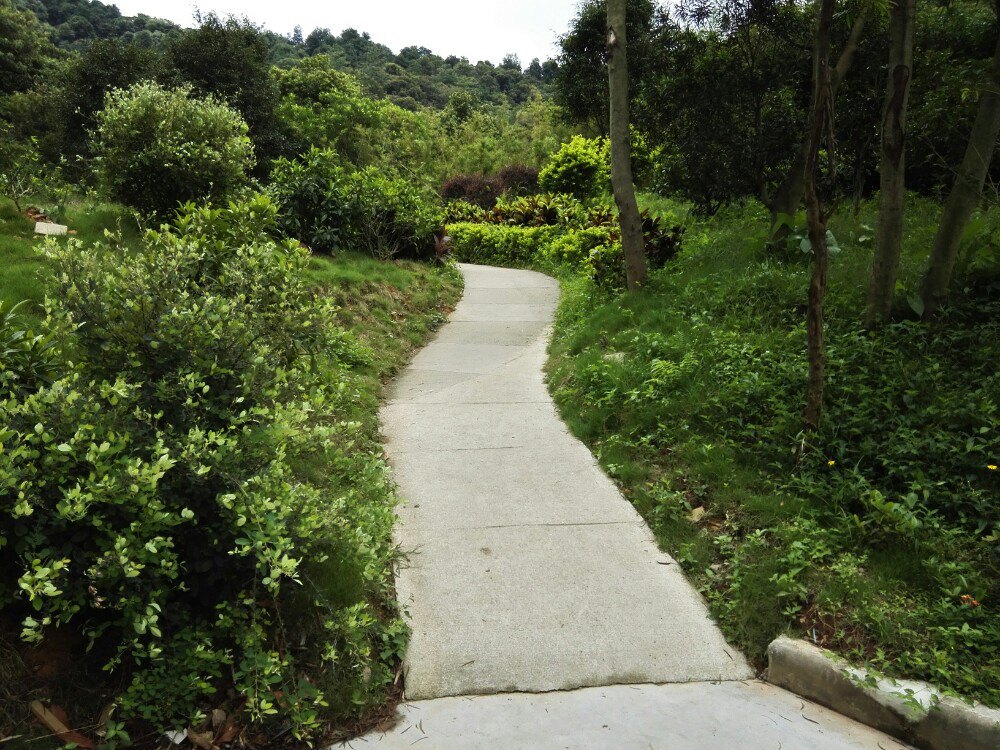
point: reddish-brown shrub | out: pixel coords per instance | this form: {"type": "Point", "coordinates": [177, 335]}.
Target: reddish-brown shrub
{"type": "Point", "coordinates": [474, 188]}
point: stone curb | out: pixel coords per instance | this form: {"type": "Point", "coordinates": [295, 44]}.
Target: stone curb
{"type": "Point", "coordinates": [915, 712]}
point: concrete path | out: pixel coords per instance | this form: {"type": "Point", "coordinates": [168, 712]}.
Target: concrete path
{"type": "Point", "coordinates": [691, 716]}
{"type": "Point", "coordinates": [528, 571]}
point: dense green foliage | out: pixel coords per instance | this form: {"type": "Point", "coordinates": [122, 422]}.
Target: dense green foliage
{"type": "Point", "coordinates": [556, 233]}
{"type": "Point", "coordinates": [158, 148]}
{"type": "Point", "coordinates": [137, 470]}
{"type": "Point", "coordinates": [85, 82]}
{"type": "Point", "coordinates": [191, 481]}
{"type": "Point", "coordinates": [414, 78]}
{"type": "Point", "coordinates": [228, 59]}
{"type": "Point", "coordinates": [200, 491]}
{"type": "Point", "coordinates": [580, 168]}
{"type": "Point", "coordinates": [74, 23]}
{"type": "Point", "coordinates": [721, 91]}
{"type": "Point", "coordinates": [330, 207]}
{"type": "Point", "coordinates": [499, 245]}
{"type": "Point", "coordinates": [877, 534]}
{"type": "Point", "coordinates": [24, 50]}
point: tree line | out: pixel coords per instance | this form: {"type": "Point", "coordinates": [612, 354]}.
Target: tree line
{"type": "Point", "coordinates": [796, 103]}
{"type": "Point", "coordinates": [412, 78]}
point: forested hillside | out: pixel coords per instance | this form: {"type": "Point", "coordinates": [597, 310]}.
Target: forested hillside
{"type": "Point", "coordinates": [414, 77]}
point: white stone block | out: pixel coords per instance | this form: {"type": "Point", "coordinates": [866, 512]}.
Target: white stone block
{"type": "Point", "coordinates": [44, 227]}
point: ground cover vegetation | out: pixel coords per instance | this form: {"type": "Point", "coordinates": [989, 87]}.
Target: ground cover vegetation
{"type": "Point", "coordinates": [802, 403]}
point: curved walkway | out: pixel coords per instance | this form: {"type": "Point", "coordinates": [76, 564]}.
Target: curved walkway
{"type": "Point", "coordinates": [527, 570]}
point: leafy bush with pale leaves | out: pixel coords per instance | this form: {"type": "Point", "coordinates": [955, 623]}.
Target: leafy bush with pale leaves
{"type": "Point", "coordinates": [151, 496]}
{"type": "Point", "coordinates": [158, 148]}
{"type": "Point", "coordinates": [581, 167]}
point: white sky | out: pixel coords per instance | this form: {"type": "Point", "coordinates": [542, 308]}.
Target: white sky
{"type": "Point", "coordinates": [476, 29]}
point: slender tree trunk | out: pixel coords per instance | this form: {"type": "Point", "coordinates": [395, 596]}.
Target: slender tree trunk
{"type": "Point", "coordinates": [788, 197]}
{"type": "Point", "coordinates": [633, 243]}
{"type": "Point", "coordinates": [821, 124]}
{"type": "Point", "coordinates": [966, 193]}
{"type": "Point", "coordinates": [892, 170]}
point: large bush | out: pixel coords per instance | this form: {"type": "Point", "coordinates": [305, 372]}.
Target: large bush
{"type": "Point", "coordinates": [229, 58]}
{"type": "Point", "coordinates": [148, 498]}
{"type": "Point", "coordinates": [158, 148]}
{"type": "Point", "coordinates": [322, 106]}
{"type": "Point", "coordinates": [580, 167]}
{"type": "Point", "coordinates": [518, 180]}
{"type": "Point", "coordinates": [330, 208]}
{"type": "Point", "coordinates": [474, 188]}
{"type": "Point", "coordinates": [311, 194]}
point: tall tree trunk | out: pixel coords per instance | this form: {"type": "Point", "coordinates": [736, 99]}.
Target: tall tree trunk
{"type": "Point", "coordinates": [966, 193]}
{"type": "Point", "coordinates": [892, 170]}
{"type": "Point", "coordinates": [633, 243]}
{"type": "Point", "coordinates": [821, 124]}
{"type": "Point", "coordinates": [788, 196]}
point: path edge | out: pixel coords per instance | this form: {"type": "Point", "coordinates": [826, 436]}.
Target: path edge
{"type": "Point", "coordinates": [912, 711]}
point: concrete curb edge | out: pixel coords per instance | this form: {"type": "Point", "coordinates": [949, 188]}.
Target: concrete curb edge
{"type": "Point", "coordinates": [912, 711]}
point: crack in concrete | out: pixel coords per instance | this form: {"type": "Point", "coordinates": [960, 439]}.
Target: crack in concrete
{"type": "Point", "coordinates": [540, 525]}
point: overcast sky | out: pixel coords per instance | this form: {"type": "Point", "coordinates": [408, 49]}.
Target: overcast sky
{"type": "Point", "coordinates": [476, 29]}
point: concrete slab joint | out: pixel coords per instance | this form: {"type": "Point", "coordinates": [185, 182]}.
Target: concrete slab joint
{"type": "Point", "coordinates": [908, 709]}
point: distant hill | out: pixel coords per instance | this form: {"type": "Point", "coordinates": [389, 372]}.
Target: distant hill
{"type": "Point", "coordinates": [415, 77]}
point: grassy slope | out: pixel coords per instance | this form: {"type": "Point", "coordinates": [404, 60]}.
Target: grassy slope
{"type": "Point", "coordinates": [691, 393]}
{"type": "Point", "coordinates": [391, 308]}
{"type": "Point", "coordinates": [22, 264]}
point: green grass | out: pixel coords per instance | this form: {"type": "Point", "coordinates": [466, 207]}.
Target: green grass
{"type": "Point", "coordinates": [866, 535]}
{"type": "Point", "coordinates": [24, 265]}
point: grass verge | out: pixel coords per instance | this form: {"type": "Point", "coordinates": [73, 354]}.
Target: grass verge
{"type": "Point", "coordinates": [876, 536]}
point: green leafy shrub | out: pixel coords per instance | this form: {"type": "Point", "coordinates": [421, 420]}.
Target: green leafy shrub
{"type": "Point", "coordinates": [538, 210]}
{"type": "Point", "coordinates": [149, 498]}
{"type": "Point", "coordinates": [574, 248]}
{"type": "Point", "coordinates": [158, 148]}
{"type": "Point", "coordinates": [311, 194]}
{"type": "Point", "coordinates": [461, 211]}
{"type": "Point", "coordinates": [580, 167]}
{"type": "Point", "coordinates": [498, 244]}
{"type": "Point", "coordinates": [322, 106]}
{"type": "Point", "coordinates": [27, 360]}
{"type": "Point", "coordinates": [391, 217]}
{"type": "Point", "coordinates": [331, 208]}
{"type": "Point", "coordinates": [584, 240]}
{"type": "Point", "coordinates": [606, 267]}
{"type": "Point", "coordinates": [20, 167]}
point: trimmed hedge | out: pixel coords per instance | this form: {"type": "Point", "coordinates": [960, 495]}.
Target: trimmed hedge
{"type": "Point", "coordinates": [497, 244]}
{"type": "Point", "coordinates": [594, 252]}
